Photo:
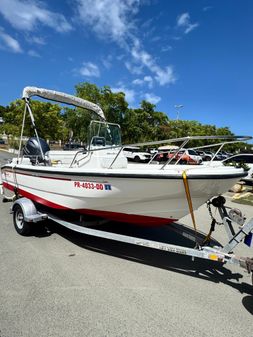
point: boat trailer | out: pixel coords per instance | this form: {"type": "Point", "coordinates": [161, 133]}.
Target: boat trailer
{"type": "Point", "coordinates": [25, 213]}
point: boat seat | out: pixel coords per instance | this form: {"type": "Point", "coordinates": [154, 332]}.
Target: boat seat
{"type": "Point", "coordinates": [98, 141]}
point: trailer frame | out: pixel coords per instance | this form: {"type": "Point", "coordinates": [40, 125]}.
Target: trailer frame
{"type": "Point", "coordinates": [223, 254]}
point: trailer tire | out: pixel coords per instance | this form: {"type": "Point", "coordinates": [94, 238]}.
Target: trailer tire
{"type": "Point", "coordinates": [22, 227]}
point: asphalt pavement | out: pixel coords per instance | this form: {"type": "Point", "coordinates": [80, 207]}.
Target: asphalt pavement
{"type": "Point", "coordinates": [60, 283]}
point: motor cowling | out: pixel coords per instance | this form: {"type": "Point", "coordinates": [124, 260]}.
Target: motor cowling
{"type": "Point", "coordinates": [32, 149]}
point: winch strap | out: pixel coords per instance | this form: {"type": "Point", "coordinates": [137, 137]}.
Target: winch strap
{"type": "Point", "coordinates": [189, 200]}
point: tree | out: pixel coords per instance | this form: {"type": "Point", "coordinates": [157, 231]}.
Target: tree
{"type": "Point", "coordinates": [77, 122]}
{"type": "Point", "coordinates": [144, 124]}
{"type": "Point", "coordinates": [114, 106]}
{"type": "Point", "coordinates": [139, 124]}
{"type": "Point", "coordinates": [2, 109]}
{"type": "Point", "coordinates": [48, 120]}
{"type": "Point", "coordinates": [12, 120]}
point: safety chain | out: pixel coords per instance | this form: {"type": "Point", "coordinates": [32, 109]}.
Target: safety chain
{"type": "Point", "coordinates": [208, 204]}
{"type": "Point", "coordinates": [217, 201]}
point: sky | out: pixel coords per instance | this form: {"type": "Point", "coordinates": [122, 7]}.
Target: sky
{"type": "Point", "coordinates": [194, 53]}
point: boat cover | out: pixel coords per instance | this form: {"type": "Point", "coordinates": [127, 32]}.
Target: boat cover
{"type": "Point", "coordinates": [63, 98]}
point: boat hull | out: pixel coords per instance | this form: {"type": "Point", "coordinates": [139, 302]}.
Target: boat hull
{"type": "Point", "coordinates": [148, 200]}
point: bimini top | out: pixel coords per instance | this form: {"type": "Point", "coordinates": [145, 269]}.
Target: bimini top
{"type": "Point", "coordinates": [62, 98]}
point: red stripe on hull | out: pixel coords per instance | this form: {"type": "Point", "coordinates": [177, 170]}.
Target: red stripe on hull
{"type": "Point", "coordinates": [141, 220]}
{"type": "Point", "coordinates": [34, 197]}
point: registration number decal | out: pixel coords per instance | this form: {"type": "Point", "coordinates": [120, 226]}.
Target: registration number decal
{"type": "Point", "coordinates": [92, 185]}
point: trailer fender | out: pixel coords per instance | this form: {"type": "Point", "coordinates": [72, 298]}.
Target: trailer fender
{"type": "Point", "coordinates": [29, 210]}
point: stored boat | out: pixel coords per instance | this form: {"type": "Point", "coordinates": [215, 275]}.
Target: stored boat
{"type": "Point", "coordinates": [99, 181]}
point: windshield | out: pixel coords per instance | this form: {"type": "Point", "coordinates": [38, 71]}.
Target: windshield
{"type": "Point", "coordinates": [192, 152]}
{"type": "Point", "coordinates": [132, 149]}
{"type": "Point", "coordinates": [105, 134]}
{"type": "Point", "coordinates": [240, 158]}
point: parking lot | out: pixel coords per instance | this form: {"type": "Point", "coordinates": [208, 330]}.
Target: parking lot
{"type": "Point", "coordinates": [61, 283]}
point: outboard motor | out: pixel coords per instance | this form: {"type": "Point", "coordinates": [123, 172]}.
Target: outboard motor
{"type": "Point", "coordinates": [32, 149]}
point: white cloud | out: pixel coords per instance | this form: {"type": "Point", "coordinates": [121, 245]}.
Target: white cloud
{"type": "Point", "coordinates": [183, 21]}
{"type": "Point", "coordinates": [89, 69]}
{"type": "Point", "coordinates": [191, 27]}
{"type": "Point", "coordinates": [113, 19]}
{"type": "Point", "coordinates": [134, 69]}
{"type": "Point", "coordinates": [207, 8]}
{"type": "Point", "coordinates": [165, 76]}
{"type": "Point", "coordinates": [129, 93]}
{"type": "Point", "coordinates": [146, 80]}
{"type": "Point", "coordinates": [147, 23]}
{"type": "Point", "coordinates": [149, 81]}
{"type": "Point", "coordinates": [166, 48]}
{"type": "Point", "coordinates": [108, 18]}
{"type": "Point", "coordinates": [107, 61]}
{"type": "Point", "coordinates": [155, 38]}
{"type": "Point", "coordinates": [162, 75]}
{"type": "Point", "coordinates": [33, 53]}
{"type": "Point", "coordinates": [25, 15]}
{"type": "Point", "coordinates": [9, 43]}
{"type": "Point", "coordinates": [152, 98]}
{"type": "Point", "coordinates": [36, 39]}
{"type": "Point", "coordinates": [120, 57]}
{"type": "Point", "coordinates": [138, 81]}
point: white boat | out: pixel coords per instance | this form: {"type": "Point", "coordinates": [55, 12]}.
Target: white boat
{"type": "Point", "coordinates": [238, 159]}
{"type": "Point", "coordinates": [100, 182]}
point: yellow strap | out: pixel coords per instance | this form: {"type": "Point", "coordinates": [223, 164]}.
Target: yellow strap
{"type": "Point", "coordinates": [188, 195]}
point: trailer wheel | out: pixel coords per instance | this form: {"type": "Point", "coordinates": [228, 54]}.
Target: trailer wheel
{"type": "Point", "coordinates": [22, 227]}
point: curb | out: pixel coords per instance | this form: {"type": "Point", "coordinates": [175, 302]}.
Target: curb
{"type": "Point", "coordinates": [12, 151]}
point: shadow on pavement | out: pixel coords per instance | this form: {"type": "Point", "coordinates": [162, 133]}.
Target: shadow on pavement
{"type": "Point", "coordinates": [199, 268]}
{"type": "Point", "coordinates": [247, 302]}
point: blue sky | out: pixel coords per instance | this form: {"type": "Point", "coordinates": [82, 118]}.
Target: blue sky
{"type": "Point", "coordinates": [197, 53]}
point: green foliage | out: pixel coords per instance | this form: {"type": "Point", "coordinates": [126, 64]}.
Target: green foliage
{"type": "Point", "coordinates": [2, 109]}
{"type": "Point", "coordinates": [12, 119]}
{"type": "Point", "coordinates": [143, 124]}
{"type": "Point", "coordinates": [240, 164]}
{"type": "Point", "coordinates": [114, 105]}
{"type": "Point", "coordinates": [77, 122]}
{"type": "Point", "coordinates": [48, 120]}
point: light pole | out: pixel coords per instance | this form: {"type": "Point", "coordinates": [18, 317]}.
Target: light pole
{"type": "Point", "coordinates": [178, 107]}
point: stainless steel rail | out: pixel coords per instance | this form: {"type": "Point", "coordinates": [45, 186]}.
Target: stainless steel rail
{"type": "Point", "coordinates": [183, 140]}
